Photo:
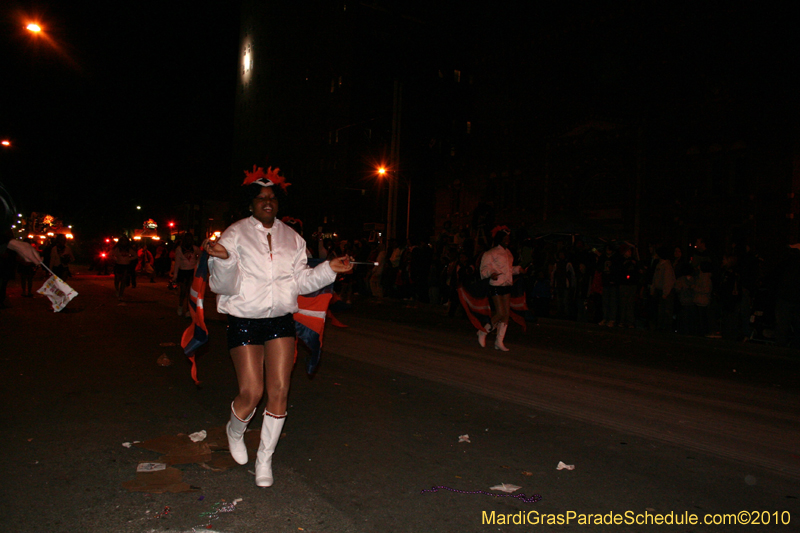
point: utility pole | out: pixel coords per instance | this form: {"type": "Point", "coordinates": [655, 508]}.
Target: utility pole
{"type": "Point", "coordinates": [394, 160]}
{"type": "Point", "coordinates": [546, 182]}
{"type": "Point", "coordinates": [637, 217]}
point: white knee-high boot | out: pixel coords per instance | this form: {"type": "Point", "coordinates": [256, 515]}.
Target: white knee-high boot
{"type": "Point", "coordinates": [270, 433]}
{"type": "Point", "coordinates": [482, 334]}
{"type": "Point", "coordinates": [235, 430]}
{"type": "Point", "coordinates": [501, 333]}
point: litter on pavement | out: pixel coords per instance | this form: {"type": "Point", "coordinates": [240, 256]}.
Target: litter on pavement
{"type": "Point", "coordinates": [159, 482]}
{"type": "Point", "coordinates": [521, 497]}
{"type": "Point", "coordinates": [219, 507]}
{"type": "Point", "coordinates": [562, 466]}
{"type": "Point", "coordinates": [151, 467]}
{"type": "Point", "coordinates": [198, 436]}
{"type": "Point", "coordinates": [210, 453]}
{"type": "Point", "coordinates": [505, 487]}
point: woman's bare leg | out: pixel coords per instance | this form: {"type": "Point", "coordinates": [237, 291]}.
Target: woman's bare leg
{"type": "Point", "coordinates": [502, 306]}
{"type": "Point", "coordinates": [122, 283]}
{"type": "Point", "coordinates": [279, 361]}
{"type": "Point", "coordinates": [249, 364]}
{"type": "Point", "coordinates": [183, 296]}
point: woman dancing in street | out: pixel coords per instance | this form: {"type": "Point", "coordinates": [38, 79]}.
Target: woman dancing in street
{"type": "Point", "coordinates": [186, 257]}
{"type": "Point", "coordinates": [258, 268]}
{"type": "Point", "coordinates": [124, 257]}
{"type": "Point", "coordinates": [496, 264]}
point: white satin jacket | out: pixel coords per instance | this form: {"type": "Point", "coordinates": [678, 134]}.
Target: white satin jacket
{"type": "Point", "coordinates": [254, 282]}
{"type": "Point", "coordinates": [499, 260]}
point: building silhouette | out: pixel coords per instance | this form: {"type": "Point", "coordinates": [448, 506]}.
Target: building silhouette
{"type": "Point", "coordinates": [658, 126]}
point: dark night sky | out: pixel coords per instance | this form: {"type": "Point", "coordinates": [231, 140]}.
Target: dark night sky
{"type": "Point", "coordinates": [124, 104]}
{"type": "Point", "coordinates": [133, 103]}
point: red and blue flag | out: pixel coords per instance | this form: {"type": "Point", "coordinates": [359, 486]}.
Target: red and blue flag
{"type": "Point", "coordinates": [476, 303]}
{"type": "Point", "coordinates": [196, 335]}
{"type": "Point", "coordinates": [309, 320]}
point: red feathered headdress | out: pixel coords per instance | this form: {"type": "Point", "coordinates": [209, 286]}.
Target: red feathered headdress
{"type": "Point", "coordinates": [268, 179]}
{"type": "Point", "coordinates": [293, 222]}
{"type": "Point", "coordinates": [500, 228]}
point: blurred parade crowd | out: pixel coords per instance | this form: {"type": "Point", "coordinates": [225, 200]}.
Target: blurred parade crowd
{"type": "Point", "coordinates": [731, 293]}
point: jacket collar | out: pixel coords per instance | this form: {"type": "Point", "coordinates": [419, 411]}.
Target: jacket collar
{"type": "Point", "coordinates": [259, 226]}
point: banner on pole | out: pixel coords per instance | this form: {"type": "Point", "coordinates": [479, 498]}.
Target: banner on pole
{"type": "Point", "coordinates": [59, 293]}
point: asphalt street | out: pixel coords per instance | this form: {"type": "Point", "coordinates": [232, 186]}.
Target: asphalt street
{"type": "Point", "coordinates": [653, 424]}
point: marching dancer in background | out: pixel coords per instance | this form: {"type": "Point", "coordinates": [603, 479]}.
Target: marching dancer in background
{"type": "Point", "coordinates": [496, 264]}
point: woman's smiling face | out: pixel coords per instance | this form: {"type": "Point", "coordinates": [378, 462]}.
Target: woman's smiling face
{"type": "Point", "coordinates": [265, 206]}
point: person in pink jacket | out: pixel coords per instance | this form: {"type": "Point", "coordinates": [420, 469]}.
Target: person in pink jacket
{"type": "Point", "coordinates": [497, 266]}
{"type": "Point", "coordinates": [661, 289]}
{"type": "Point", "coordinates": [186, 256]}
{"type": "Point", "coordinates": [257, 268]}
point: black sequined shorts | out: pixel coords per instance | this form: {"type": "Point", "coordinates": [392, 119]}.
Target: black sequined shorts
{"type": "Point", "coordinates": [247, 331]}
{"type": "Point", "coordinates": [499, 290]}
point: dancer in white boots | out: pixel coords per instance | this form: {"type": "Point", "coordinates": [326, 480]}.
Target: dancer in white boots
{"type": "Point", "coordinates": [258, 268]}
{"type": "Point", "coordinates": [496, 264]}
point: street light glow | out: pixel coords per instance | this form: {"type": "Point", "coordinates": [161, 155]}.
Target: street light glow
{"type": "Point", "coordinates": [382, 171]}
{"type": "Point", "coordinates": [5, 142]}
{"type": "Point", "coordinates": [40, 36]}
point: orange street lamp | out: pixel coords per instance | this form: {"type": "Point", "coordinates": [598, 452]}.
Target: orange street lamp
{"type": "Point", "coordinates": [391, 214]}
{"type": "Point", "coordinates": [5, 142]}
{"type": "Point", "coordinates": [39, 32]}
{"type": "Point", "coordinates": [382, 172]}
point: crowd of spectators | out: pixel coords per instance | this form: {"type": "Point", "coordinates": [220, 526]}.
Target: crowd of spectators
{"type": "Point", "coordinates": [127, 259]}
{"type": "Point", "coordinates": [692, 291]}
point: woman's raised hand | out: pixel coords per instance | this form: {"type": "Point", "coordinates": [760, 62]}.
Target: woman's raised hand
{"type": "Point", "coordinates": [28, 252]}
{"type": "Point", "coordinates": [340, 265]}
{"type": "Point", "coordinates": [215, 249]}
